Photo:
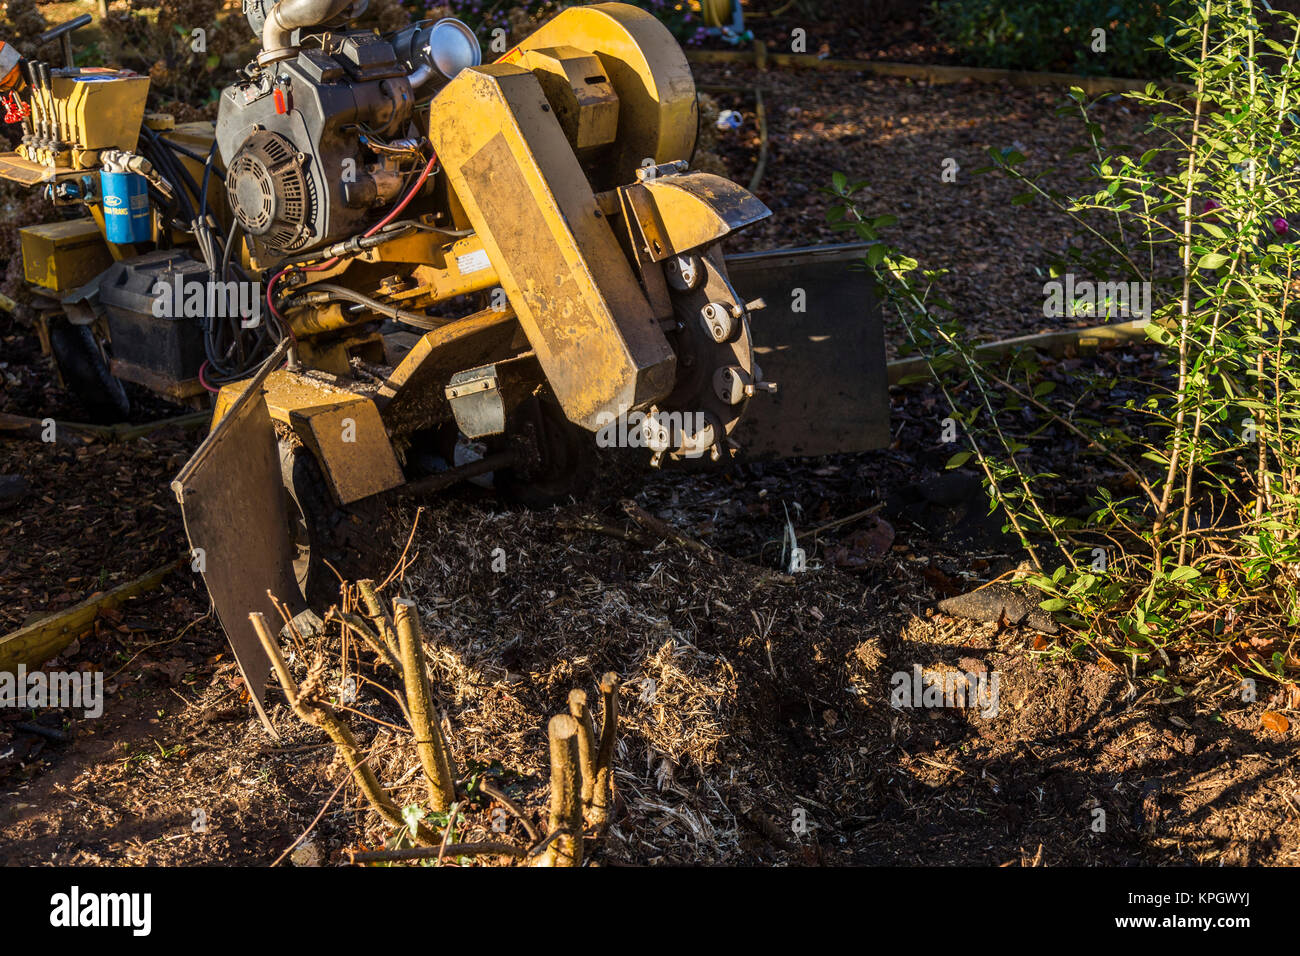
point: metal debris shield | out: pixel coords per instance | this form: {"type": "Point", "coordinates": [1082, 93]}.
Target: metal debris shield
{"type": "Point", "coordinates": [237, 522]}
{"type": "Point", "coordinates": [821, 340]}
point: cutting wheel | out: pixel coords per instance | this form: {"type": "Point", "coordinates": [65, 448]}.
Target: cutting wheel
{"type": "Point", "coordinates": [716, 374]}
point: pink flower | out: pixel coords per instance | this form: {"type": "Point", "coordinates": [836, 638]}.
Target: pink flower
{"type": "Point", "coordinates": [1210, 206]}
{"type": "Point", "coordinates": [1281, 226]}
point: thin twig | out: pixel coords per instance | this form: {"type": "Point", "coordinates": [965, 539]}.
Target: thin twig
{"type": "Point", "coordinates": [517, 811]}
{"type": "Point", "coordinates": [435, 852]}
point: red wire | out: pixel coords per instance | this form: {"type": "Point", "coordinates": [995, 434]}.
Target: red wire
{"type": "Point", "coordinates": [203, 380]}
{"type": "Point", "coordinates": [409, 196]}
{"type": "Point", "coordinates": [328, 263]}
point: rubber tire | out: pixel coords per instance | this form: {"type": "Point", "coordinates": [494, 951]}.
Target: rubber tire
{"type": "Point", "coordinates": [313, 520]}
{"type": "Point", "coordinates": [86, 374]}
{"type": "Point", "coordinates": [568, 453]}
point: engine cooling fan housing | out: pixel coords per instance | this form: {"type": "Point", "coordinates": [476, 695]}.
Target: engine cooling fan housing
{"type": "Point", "coordinates": [269, 192]}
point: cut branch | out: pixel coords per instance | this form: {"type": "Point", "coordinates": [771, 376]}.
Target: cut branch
{"type": "Point", "coordinates": [375, 611]}
{"type": "Point", "coordinates": [429, 741]}
{"type": "Point", "coordinates": [566, 795]}
{"type": "Point", "coordinates": [603, 792]}
{"type": "Point", "coordinates": [319, 714]}
{"type": "Point", "coordinates": [586, 745]}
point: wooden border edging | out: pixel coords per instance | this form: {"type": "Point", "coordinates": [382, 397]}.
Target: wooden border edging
{"type": "Point", "coordinates": [938, 75]}
{"type": "Point", "coordinates": [126, 432]}
{"type": "Point", "coordinates": [24, 427]}
{"type": "Point", "coordinates": [1055, 343]}
{"type": "Point", "coordinates": [36, 643]}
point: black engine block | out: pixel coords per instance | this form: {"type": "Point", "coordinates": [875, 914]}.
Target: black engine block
{"type": "Point", "coordinates": [294, 138]}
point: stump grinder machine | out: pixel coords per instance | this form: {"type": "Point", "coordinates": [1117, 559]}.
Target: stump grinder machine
{"type": "Point", "coordinates": [391, 266]}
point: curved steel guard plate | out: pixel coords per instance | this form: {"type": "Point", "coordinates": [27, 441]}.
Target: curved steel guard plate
{"type": "Point", "coordinates": [688, 210]}
{"type": "Point", "coordinates": [234, 510]}
{"type": "Point", "coordinates": [657, 111]}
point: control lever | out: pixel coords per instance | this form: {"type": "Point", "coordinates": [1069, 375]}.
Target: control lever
{"type": "Point", "coordinates": [63, 33]}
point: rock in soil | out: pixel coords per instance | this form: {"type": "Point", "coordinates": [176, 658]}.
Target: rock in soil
{"type": "Point", "coordinates": [999, 602]}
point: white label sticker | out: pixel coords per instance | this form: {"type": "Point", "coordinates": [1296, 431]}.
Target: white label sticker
{"type": "Point", "coordinates": [475, 261]}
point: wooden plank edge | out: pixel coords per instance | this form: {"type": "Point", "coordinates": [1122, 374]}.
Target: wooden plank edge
{"type": "Point", "coordinates": [24, 427]}
{"type": "Point", "coordinates": [936, 74]}
{"type": "Point", "coordinates": [41, 640]}
{"type": "Point", "coordinates": [1056, 343]}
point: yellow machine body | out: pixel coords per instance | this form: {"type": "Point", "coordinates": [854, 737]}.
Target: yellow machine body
{"type": "Point", "coordinates": [413, 393]}
{"type": "Point", "coordinates": [341, 428]}
{"type": "Point", "coordinates": [560, 195]}
{"type": "Point", "coordinates": [558, 259]}
{"type": "Point", "coordinates": [681, 212]}
{"type": "Point", "coordinates": [60, 256]}
{"type": "Point", "coordinates": [657, 111]}
{"type": "Point", "coordinates": [578, 90]}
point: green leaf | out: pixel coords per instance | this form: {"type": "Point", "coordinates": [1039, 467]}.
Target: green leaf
{"type": "Point", "coordinates": [1211, 260]}
{"type": "Point", "coordinates": [957, 460]}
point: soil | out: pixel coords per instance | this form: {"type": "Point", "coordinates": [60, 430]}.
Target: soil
{"type": "Point", "coordinates": [897, 135]}
{"type": "Point", "coordinates": [899, 32]}
{"type": "Point", "coordinates": [756, 718]}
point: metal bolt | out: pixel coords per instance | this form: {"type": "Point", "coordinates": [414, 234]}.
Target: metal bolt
{"type": "Point", "coordinates": [719, 321]}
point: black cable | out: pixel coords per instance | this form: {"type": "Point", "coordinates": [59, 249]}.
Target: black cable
{"type": "Point", "coordinates": [150, 152]}
{"type": "Point", "coordinates": [232, 351]}
{"type": "Point", "coordinates": [185, 151]}
{"type": "Point", "coordinates": [175, 171]}
{"type": "Point", "coordinates": [392, 231]}
{"type": "Point", "coordinates": [207, 175]}
{"type": "Point", "coordinates": [351, 295]}
{"type": "Point", "coordinates": [231, 239]}
{"type": "Point", "coordinates": [165, 163]}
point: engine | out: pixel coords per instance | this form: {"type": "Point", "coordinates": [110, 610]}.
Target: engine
{"type": "Point", "coordinates": [318, 137]}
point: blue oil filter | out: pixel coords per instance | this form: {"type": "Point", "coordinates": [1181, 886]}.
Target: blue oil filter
{"type": "Point", "coordinates": [125, 198]}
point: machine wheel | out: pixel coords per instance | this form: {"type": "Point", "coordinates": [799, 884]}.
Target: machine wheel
{"type": "Point", "coordinates": [313, 517]}
{"type": "Point", "coordinates": [84, 371]}
{"type": "Point", "coordinates": [564, 457]}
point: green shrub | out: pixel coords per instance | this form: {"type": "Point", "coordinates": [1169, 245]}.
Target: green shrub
{"type": "Point", "coordinates": [1058, 35]}
{"type": "Point", "coordinates": [1170, 542]}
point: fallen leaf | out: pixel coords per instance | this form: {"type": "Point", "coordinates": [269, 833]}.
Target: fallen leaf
{"type": "Point", "coordinates": [1275, 722]}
